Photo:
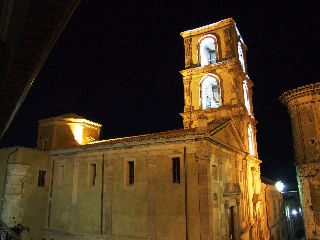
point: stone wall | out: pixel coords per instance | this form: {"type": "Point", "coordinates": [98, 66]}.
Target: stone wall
{"type": "Point", "coordinates": [304, 109]}
{"type": "Point", "coordinates": [25, 203]}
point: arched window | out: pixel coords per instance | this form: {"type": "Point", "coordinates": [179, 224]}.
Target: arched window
{"type": "Point", "coordinates": [246, 97]}
{"type": "Point", "coordinates": [209, 92]}
{"type": "Point", "coordinates": [207, 50]}
{"type": "Point", "coordinates": [251, 140]}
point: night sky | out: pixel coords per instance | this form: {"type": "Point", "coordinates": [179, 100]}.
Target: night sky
{"type": "Point", "coordinates": [117, 63]}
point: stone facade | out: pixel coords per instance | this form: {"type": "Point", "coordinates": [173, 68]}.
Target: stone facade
{"type": "Point", "coordinates": [304, 109]}
{"type": "Point", "coordinates": [23, 201]}
{"type": "Point", "coordinates": [274, 211]}
{"type": "Point", "coordinates": [199, 182]}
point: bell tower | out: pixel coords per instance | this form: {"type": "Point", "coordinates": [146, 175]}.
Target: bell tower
{"type": "Point", "coordinates": [215, 78]}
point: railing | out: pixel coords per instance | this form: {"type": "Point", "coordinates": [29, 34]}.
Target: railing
{"type": "Point", "coordinates": [7, 233]}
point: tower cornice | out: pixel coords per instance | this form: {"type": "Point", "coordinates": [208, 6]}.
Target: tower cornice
{"type": "Point", "coordinates": [308, 90]}
{"type": "Point", "coordinates": [223, 65]}
{"type": "Point", "coordinates": [206, 28]}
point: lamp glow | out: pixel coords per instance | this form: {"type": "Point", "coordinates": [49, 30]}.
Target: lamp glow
{"type": "Point", "coordinates": [78, 133]}
{"type": "Point", "coordinates": [280, 186]}
{"type": "Point", "coordinates": [294, 212]}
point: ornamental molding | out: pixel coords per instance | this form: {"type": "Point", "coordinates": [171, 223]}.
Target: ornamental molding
{"type": "Point", "coordinates": [210, 68]}
{"type": "Point", "coordinates": [206, 28]}
{"type": "Point", "coordinates": [109, 162]}
{"type": "Point", "coordinates": [202, 157]}
{"type": "Point", "coordinates": [294, 94]}
{"type": "Point", "coordinates": [151, 162]}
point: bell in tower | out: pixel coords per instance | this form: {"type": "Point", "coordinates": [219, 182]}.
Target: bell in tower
{"type": "Point", "coordinates": [216, 83]}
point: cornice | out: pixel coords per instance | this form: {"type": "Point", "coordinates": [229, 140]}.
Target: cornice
{"type": "Point", "coordinates": [168, 137]}
{"type": "Point", "coordinates": [234, 110]}
{"type": "Point", "coordinates": [253, 159]}
{"type": "Point", "coordinates": [226, 64]}
{"type": "Point", "coordinates": [209, 27]}
{"type": "Point", "coordinates": [69, 119]}
{"type": "Point", "coordinates": [308, 90]}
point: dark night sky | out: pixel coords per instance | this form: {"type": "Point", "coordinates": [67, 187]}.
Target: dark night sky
{"type": "Point", "coordinates": [118, 63]}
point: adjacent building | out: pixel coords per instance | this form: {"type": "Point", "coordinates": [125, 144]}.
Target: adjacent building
{"type": "Point", "coordinates": [274, 211]}
{"type": "Point", "coordinates": [304, 109]}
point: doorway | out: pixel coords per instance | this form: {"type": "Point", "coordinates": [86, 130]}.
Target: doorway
{"type": "Point", "coordinates": [231, 223]}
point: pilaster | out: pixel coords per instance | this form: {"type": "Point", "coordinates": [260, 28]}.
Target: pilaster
{"type": "Point", "coordinates": [187, 95]}
{"type": "Point", "coordinates": [152, 195]}
{"type": "Point", "coordinates": [203, 159]}
{"type": "Point", "coordinates": [107, 197]}
{"type": "Point", "coordinates": [188, 52]}
{"type": "Point", "coordinates": [74, 196]}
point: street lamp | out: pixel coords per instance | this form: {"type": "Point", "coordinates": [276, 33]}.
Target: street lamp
{"type": "Point", "coordinates": [294, 212]}
{"type": "Point", "coordinates": [280, 186]}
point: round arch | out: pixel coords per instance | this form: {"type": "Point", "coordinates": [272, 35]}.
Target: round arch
{"type": "Point", "coordinates": [207, 50]}
{"type": "Point", "coordinates": [209, 91]}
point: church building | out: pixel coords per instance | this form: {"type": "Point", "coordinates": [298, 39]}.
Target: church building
{"type": "Point", "coordinates": [201, 182]}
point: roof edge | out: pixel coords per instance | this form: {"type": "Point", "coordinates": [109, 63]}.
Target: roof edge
{"type": "Point", "coordinates": [198, 30]}
{"type": "Point", "coordinates": [290, 95]}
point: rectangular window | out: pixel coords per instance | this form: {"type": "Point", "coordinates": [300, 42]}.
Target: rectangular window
{"type": "Point", "coordinates": [42, 178]}
{"type": "Point", "coordinates": [60, 178]}
{"type": "Point", "coordinates": [130, 172]}
{"type": "Point", "coordinates": [176, 169]}
{"type": "Point", "coordinates": [92, 174]}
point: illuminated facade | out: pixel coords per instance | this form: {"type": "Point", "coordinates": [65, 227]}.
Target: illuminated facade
{"type": "Point", "coordinates": [200, 182]}
{"type": "Point", "coordinates": [65, 131]}
{"type": "Point", "coordinates": [274, 211]}
{"type": "Point", "coordinates": [304, 109]}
